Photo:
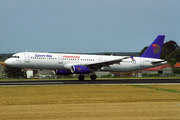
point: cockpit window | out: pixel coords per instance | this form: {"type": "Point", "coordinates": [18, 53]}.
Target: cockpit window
{"type": "Point", "coordinates": [15, 57]}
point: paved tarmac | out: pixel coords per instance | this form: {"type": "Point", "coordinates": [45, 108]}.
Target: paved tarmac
{"type": "Point", "coordinates": [77, 82]}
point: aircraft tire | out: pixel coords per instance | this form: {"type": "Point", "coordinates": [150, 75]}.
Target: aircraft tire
{"type": "Point", "coordinates": [81, 77]}
{"type": "Point", "coordinates": [93, 77]}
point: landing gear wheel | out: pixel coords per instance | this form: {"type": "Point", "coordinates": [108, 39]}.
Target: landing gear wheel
{"type": "Point", "coordinates": [93, 77]}
{"type": "Point", "coordinates": [81, 77]}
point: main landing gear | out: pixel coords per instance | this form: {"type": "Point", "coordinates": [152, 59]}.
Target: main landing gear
{"type": "Point", "coordinates": [93, 77]}
{"type": "Point", "coordinates": [81, 77]}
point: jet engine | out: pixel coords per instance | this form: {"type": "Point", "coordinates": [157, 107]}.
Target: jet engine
{"type": "Point", "coordinates": [63, 72]}
{"type": "Point", "coordinates": [79, 69]}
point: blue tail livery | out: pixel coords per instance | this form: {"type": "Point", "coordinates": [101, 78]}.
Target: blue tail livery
{"type": "Point", "coordinates": [154, 50]}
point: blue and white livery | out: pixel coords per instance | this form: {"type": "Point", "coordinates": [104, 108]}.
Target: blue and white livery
{"type": "Point", "coordinates": [65, 64]}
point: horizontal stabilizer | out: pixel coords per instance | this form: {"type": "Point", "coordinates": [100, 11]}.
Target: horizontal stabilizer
{"type": "Point", "coordinates": [156, 62]}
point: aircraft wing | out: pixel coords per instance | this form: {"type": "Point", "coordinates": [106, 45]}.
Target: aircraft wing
{"type": "Point", "coordinates": [98, 65]}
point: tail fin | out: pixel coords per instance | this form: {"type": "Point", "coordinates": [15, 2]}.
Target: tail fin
{"type": "Point", "coordinates": [154, 50]}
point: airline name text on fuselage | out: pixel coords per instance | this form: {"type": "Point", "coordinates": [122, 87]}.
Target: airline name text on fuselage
{"type": "Point", "coordinates": [37, 55]}
{"type": "Point", "coordinates": [71, 56]}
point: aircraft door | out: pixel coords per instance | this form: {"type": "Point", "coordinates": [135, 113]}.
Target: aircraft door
{"type": "Point", "coordinates": [141, 62]}
{"type": "Point", "coordinates": [60, 59]}
{"type": "Point", "coordinates": [100, 59]}
{"type": "Point", "coordinates": [27, 58]}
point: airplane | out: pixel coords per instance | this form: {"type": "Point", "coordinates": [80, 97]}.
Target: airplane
{"type": "Point", "coordinates": [65, 64]}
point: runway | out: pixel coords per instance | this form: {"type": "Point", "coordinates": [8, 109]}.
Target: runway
{"type": "Point", "coordinates": [91, 82]}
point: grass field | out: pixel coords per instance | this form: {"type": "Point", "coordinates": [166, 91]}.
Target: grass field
{"type": "Point", "coordinates": [87, 102]}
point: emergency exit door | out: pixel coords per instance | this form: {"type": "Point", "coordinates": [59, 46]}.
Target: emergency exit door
{"type": "Point", "coordinates": [60, 59]}
{"type": "Point", "coordinates": [141, 62]}
{"type": "Point", "coordinates": [27, 58]}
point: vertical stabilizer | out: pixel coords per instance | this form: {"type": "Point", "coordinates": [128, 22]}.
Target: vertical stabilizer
{"type": "Point", "coordinates": [154, 50]}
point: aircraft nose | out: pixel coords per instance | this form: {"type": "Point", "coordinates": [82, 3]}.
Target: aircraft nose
{"type": "Point", "coordinates": [8, 62]}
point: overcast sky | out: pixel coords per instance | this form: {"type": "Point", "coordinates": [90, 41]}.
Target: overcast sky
{"type": "Point", "coordinates": [86, 26]}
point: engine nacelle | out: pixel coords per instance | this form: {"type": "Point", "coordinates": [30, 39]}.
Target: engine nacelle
{"type": "Point", "coordinates": [63, 72]}
{"type": "Point", "coordinates": [80, 69]}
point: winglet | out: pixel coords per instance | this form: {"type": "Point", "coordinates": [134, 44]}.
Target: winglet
{"type": "Point", "coordinates": [154, 50]}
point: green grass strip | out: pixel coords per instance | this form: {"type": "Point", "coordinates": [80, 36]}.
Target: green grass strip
{"type": "Point", "coordinates": [157, 89]}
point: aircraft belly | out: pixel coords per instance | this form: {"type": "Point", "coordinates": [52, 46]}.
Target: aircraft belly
{"type": "Point", "coordinates": [120, 68]}
{"type": "Point", "coordinates": [41, 65]}
{"type": "Point", "coordinates": [48, 66]}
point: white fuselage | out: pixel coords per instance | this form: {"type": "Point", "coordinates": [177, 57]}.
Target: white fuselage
{"type": "Point", "coordinates": [36, 60]}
